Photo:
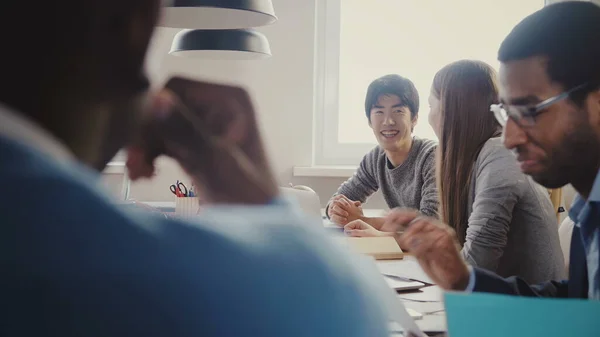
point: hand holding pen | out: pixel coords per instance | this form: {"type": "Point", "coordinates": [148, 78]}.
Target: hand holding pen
{"type": "Point", "coordinates": [433, 244]}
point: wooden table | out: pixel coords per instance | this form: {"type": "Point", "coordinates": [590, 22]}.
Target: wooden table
{"type": "Point", "coordinates": [427, 301]}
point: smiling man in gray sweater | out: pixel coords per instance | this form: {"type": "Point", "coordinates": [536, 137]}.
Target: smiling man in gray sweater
{"type": "Point", "coordinates": [402, 166]}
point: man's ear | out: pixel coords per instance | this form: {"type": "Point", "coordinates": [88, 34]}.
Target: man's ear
{"type": "Point", "coordinates": [593, 108]}
{"type": "Point", "coordinates": [413, 123]}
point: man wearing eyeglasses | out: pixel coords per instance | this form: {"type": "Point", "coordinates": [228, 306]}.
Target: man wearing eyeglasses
{"type": "Point", "coordinates": [550, 111]}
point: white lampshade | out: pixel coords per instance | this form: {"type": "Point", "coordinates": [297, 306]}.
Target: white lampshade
{"type": "Point", "coordinates": [218, 14]}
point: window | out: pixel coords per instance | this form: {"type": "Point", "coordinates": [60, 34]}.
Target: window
{"type": "Point", "coordinates": [359, 40]}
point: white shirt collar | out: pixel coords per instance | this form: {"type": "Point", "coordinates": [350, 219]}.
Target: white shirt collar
{"type": "Point", "coordinates": [25, 131]}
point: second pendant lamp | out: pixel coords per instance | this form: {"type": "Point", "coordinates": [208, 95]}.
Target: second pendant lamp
{"type": "Point", "coordinates": [221, 44]}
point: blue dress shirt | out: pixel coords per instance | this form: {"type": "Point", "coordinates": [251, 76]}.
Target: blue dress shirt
{"type": "Point", "coordinates": [586, 215]}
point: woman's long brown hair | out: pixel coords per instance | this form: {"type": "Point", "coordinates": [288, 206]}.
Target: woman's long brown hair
{"type": "Point", "coordinates": [465, 89]}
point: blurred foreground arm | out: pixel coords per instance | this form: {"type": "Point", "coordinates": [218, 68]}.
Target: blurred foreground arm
{"type": "Point", "coordinates": [211, 131]}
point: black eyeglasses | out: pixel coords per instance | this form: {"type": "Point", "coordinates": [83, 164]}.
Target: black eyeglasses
{"type": "Point", "coordinates": [524, 115]}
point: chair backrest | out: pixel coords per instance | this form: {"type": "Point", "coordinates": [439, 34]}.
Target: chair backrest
{"type": "Point", "coordinates": [568, 195]}
{"type": "Point", "coordinates": [563, 197]}
{"type": "Point", "coordinates": [307, 199]}
{"type": "Point", "coordinates": [565, 231]}
{"type": "Point", "coordinates": [556, 198]}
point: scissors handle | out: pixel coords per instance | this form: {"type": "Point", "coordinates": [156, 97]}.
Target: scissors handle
{"type": "Point", "coordinates": [182, 189]}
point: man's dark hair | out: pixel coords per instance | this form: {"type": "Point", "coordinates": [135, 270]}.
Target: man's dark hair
{"type": "Point", "coordinates": [393, 85]}
{"type": "Point", "coordinates": [568, 34]}
{"type": "Point", "coordinates": [65, 40]}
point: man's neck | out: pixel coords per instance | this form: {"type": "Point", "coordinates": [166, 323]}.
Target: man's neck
{"type": "Point", "coordinates": [584, 182]}
{"type": "Point", "coordinates": [79, 129]}
{"type": "Point", "coordinates": [76, 118]}
{"type": "Point", "coordinates": [397, 156]}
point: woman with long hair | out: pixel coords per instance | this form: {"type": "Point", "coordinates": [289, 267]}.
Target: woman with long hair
{"type": "Point", "coordinates": [503, 220]}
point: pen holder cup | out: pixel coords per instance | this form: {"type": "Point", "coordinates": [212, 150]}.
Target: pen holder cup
{"type": "Point", "coordinates": [187, 206]}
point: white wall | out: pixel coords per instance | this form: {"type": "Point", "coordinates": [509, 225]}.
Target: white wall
{"type": "Point", "coordinates": [282, 88]}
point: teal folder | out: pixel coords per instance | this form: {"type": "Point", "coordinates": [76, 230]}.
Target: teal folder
{"type": "Point", "coordinates": [491, 315]}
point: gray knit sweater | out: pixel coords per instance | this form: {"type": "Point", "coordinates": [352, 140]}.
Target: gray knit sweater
{"type": "Point", "coordinates": [411, 184]}
{"type": "Point", "coordinates": [512, 228]}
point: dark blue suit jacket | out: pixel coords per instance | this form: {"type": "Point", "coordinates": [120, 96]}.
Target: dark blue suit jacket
{"type": "Point", "coordinates": [575, 287]}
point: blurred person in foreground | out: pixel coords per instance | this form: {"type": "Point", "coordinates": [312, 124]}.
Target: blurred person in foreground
{"type": "Point", "coordinates": [75, 265]}
{"type": "Point", "coordinates": [550, 113]}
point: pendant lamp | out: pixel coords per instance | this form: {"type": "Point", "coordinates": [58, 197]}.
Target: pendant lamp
{"type": "Point", "coordinates": [218, 14]}
{"type": "Point", "coordinates": [221, 44]}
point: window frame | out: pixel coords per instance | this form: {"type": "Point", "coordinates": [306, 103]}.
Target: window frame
{"type": "Point", "coordinates": [327, 149]}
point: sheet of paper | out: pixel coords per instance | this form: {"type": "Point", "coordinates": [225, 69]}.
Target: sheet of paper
{"type": "Point", "coordinates": [388, 296]}
{"type": "Point", "coordinates": [408, 268]}
{"type": "Point", "coordinates": [492, 315]}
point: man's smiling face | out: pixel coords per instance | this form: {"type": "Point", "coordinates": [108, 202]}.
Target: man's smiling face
{"type": "Point", "coordinates": [391, 122]}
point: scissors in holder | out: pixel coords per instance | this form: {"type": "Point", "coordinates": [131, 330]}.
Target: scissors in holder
{"type": "Point", "coordinates": [179, 189]}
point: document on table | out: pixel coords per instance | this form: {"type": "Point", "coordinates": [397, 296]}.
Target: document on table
{"type": "Point", "coordinates": [407, 268]}
{"type": "Point", "coordinates": [478, 314]}
{"type": "Point", "coordinates": [388, 297]}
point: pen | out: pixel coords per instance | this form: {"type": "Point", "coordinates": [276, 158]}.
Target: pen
{"type": "Point", "coordinates": [401, 231]}
{"type": "Point", "coordinates": [406, 279]}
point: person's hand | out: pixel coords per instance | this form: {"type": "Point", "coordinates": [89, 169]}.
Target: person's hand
{"type": "Point", "coordinates": [360, 228]}
{"type": "Point", "coordinates": [211, 131]}
{"type": "Point", "coordinates": [343, 210]}
{"type": "Point", "coordinates": [434, 245]}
